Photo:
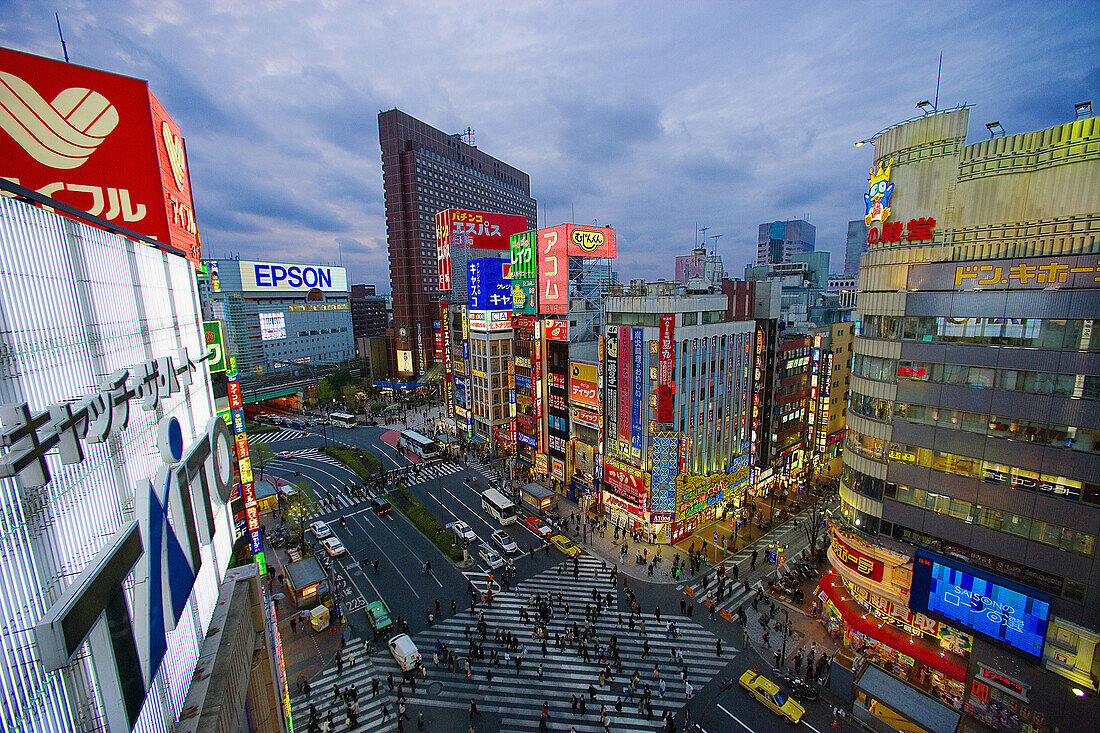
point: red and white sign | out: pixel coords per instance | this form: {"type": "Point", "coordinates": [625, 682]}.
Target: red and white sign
{"type": "Point", "coordinates": [624, 480]}
{"type": "Point", "coordinates": [234, 389]}
{"type": "Point", "coordinates": [666, 385]}
{"type": "Point", "coordinates": [557, 330]}
{"type": "Point", "coordinates": [583, 392]}
{"type": "Point", "coordinates": [618, 503]}
{"type": "Point", "coordinates": [553, 279]}
{"type": "Point", "coordinates": [588, 418]}
{"type": "Point", "coordinates": [863, 564]}
{"type": "Point", "coordinates": [99, 142]}
{"type": "Point", "coordinates": [472, 229]}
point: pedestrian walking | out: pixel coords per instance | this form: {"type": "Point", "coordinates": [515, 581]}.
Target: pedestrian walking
{"type": "Point", "coordinates": [294, 625]}
{"type": "Point", "coordinates": [718, 647]}
{"type": "Point", "coordinates": [389, 680]}
{"type": "Point", "coordinates": [473, 708]}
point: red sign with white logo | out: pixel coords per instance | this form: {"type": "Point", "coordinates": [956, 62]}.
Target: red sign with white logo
{"type": "Point", "coordinates": [99, 142]}
{"type": "Point", "coordinates": [557, 330]}
{"type": "Point", "coordinates": [624, 481]}
{"type": "Point", "coordinates": [553, 270]}
{"type": "Point", "coordinates": [234, 388]}
{"type": "Point", "coordinates": [666, 387]}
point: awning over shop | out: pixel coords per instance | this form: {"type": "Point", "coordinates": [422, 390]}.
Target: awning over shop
{"type": "Point", "coordinates": [859, 618]}
{"type": "Point", "coordinates": [919, 708]}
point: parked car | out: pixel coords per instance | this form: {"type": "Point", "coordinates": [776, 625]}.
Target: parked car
{"type": "Point", "coordinates": [768, 693]}
{"type": "Point", "coordinates": [379, 617]}
{"type": "Point", "coordinates": [504, 542]}
{"type": "Point", "coordinates": [490, 556]}
{"type": "Point", "coordinates": [566, 545]}
{"type": "Point", "coordinates": [539, 527]}
{"type": "Point", "coordinates": [333, 546]}
{"type": "Point", "coordinates": [320, 530]}
{"type": "Point", "coordinates": [462, 531]}
{"type": "Point", "coordinates": [380, 506]}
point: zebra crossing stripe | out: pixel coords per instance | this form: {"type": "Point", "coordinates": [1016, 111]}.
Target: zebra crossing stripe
{"type": "Point", "coordinates": [358, 670]}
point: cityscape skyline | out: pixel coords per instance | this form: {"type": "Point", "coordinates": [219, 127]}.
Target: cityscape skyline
{"type": "Point", "coordinates": [644, 132]}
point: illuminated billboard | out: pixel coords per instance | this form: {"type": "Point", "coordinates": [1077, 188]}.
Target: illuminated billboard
{"type": "Point", "coordinates": [99, 142]}
{"type": "Point", "coordinates": [582, 385]}
{"type": "Point", "coordinates": [471, 229]}
{"type": "Point", "coordinates": [404, 362]}
{"type": "Point", "coordinates": [487, 285]}
{"type": "Point", "coordinates": [272, 326]}
{"type": "Point", "coordinates": [553, 272]}
{"type": "Point", "coordinates": [992, 606]}
{"type": "Point", "coordinates": [281, 277]}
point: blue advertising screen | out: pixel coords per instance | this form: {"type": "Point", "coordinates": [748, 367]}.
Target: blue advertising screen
{"type": "Point", "coordinates": [487, 288]}
{"type": "Point", "coordinates": [994, 607]}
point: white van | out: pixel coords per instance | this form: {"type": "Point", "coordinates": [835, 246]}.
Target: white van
{"type": "Point", "coordinates": [404, 652]}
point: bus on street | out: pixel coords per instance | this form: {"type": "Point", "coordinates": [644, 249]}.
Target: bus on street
{"type": "Point", "coordinates": [342, 420]}
{"type": "Point", "coordinates": [498, 506]}
{"type": "Point", "coordinates": [422, 446]}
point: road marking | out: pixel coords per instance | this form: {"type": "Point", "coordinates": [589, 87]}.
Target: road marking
{"type": "Point", "coordinates": [727, 712]}
{"type": "Point", "coordinates": [388, 559]}
{"type": "Point", "coordinates": [815, 730]}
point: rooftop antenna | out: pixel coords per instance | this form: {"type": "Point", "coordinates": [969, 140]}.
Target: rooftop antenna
{"type": "Point", "coordinates": [704, 231]}
{"type": "Point", "coordinates": [468, 136]}
{"type": "Point", "coordinates": [64, 49]}
{"type": "Point", "coordinates": [716, 237]}
{"type": "Point", "coordinates": [938, 70]}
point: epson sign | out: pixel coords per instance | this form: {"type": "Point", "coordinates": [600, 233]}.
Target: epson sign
{"type": "Point", "coordinates": [280, 277]}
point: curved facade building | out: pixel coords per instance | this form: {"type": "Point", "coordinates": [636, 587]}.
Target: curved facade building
{"type": "Point", "coordinates": [973, 431]}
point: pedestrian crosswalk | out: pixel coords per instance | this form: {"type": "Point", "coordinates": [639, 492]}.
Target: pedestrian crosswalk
{"type": "Point", "coordinates": [276, 436]}
{"type": "Point", "coordinates": [357, 671]}
{"type": "Point", "coordinates": [519, 693]}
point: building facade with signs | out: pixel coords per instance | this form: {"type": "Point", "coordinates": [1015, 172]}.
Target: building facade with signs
{"type": "Point", "coordinates": [973, 428]}
{"type": "Point", "coordinates": [424, 172]}
{"type": "Point", "coordinates": [830, 374]}
{"type": "Point", "coordinates": [280, 317]}
{"type": "Point", "coordinates": [101, 438]}
{"type": "Point", "coordinates": [677, 406]}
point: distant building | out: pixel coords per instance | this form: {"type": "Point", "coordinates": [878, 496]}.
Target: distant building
{"type": "Point", "coordinates": [855, 246]}
{"type": "Point", "coordinates": [280, 317]}
{"type": "Point", "coordinates": [806, 300]}
{"type": "Point", "coordinates": [424, 171]}
{"type": "Point", "coordinates": [845, 288]}
{"type": "Point", "coordinates": [698, 270]}
{"type": "Point", "coordinates": [779, 241]}
{"type": "Point", "coordinates": [369, 315]}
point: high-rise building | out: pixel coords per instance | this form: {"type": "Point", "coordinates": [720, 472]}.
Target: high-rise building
{"type": "Point", "coordinates": [855, 245]}
{"type": "Point", "coordinates": [971, 484]}
{"type": "Point", "coordinates": [424, 171]}
{"type": "Point", "coordinates": [778, 241]}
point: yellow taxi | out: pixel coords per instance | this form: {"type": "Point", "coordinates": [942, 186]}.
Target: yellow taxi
{"type": "Point", "coordinates": [773, 698]}
{"type": "Point", "coordinates": [566, 545]}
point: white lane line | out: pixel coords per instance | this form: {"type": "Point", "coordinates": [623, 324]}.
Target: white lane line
{"type": "Point", "coordinates": [388, 558]}
{"type": "Point", "coordinates": [389, 518]}
{"type": "Point", "coordinates": [727, 712]}
{"type": "Point", "coordinates": [815, 730]}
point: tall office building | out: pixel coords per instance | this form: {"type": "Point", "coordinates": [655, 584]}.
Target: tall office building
{"type": "Point", "coordinates": [424, 171]}
{"type": "Point", "coordinates": [854, 247]}
{"type": "Point", "coordinates": [971, 480]}
{"type": "Point", "coordinates": [778, 241]}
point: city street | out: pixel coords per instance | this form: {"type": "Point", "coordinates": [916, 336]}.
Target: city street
{"type": "Point", "coordinates": [513, 700]}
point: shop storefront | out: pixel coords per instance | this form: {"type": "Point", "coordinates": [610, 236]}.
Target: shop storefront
{"type": "Point", "coordinates": [702, 499]}
{"type": "Point", "coordinates": [919, 650]}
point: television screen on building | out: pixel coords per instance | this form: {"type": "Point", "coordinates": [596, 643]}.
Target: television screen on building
{"type": "Point", "coordinates": [272, 326]}
{"type": "Point", "coordinates": [996, 608]}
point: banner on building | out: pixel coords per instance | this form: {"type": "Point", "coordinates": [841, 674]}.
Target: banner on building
{"type": "Point", "coordinates": [666, 384]}
{"type": "Point", "coordinates": [638, 383]}
{"type": "Point", "coordinates": [582, 384]}
{"type": "Point", "coordinates": [553, 273]}
{"type": "Point", "coordinates": [626, 372]}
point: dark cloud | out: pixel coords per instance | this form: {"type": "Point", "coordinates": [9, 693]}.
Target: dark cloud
{"type": "Point", "coordinates": [653, 117]}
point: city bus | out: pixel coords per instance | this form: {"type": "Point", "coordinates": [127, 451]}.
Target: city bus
{"type": "Point", "coordinates": [422, 446]}
{"type": "Point", "coordinates": [342, 420]}
{"type": "Point", "coordinates": [498, 506]}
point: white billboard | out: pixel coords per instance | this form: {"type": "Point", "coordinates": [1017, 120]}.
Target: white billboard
{"type": "Point", "coordinates": [279, 277]}
{"type": "Point", "coordinates": [272, 326]}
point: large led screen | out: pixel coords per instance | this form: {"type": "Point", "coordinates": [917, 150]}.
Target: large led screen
{"type": "Point", "coordinates": [997, 608]}
{"type": "Point", "coordinates": [272, 326]}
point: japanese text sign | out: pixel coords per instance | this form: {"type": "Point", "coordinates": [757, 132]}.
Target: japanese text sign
{"type": "Point", "coordinates": [487, 287]}
{"type": "Point", "coordinates": [666, 386]}
{"type": "Point", "coordinates": [553, 272]}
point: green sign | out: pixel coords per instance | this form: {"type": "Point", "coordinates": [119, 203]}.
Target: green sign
{"type": "Point", "coordinates": [524, 296]}
{"type": "Point", "coordinates": [213, 334]}
{"type": "Point", "coordinates": [260, 560]}
{"type": "Point", "coordinates": [524, 255]}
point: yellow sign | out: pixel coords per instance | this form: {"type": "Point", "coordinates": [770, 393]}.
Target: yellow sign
{"type": "Point", "coordinates": [319, 307]}
{"type": "Point", "coordinates": [587, 239]}
{"type": "Point", "coordinates": [896, 454]}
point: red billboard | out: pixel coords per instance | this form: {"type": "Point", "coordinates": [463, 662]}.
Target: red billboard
{"type": "Point", "coordinates": [557, 330]}
{"type": "Point", "coordinates": [472, 229]}
{"type": "Point", "coordinates": [553, 279]}
{"type": "Point", "coordinates": [99, 142]}
{"type": "Point", "coordinates": [666, 386]}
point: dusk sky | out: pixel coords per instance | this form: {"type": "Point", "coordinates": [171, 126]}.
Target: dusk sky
{"type": "Point", "coordinates": [646, 116]}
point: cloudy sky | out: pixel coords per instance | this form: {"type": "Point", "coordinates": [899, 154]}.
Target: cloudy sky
{"type": "Point", "coordinates": [647, 116]}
